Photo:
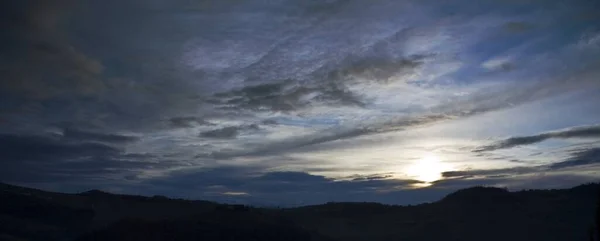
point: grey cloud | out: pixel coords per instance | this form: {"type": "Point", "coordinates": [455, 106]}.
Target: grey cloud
{"type": "Point", "coordinates": [458, 109]}
{"type": "Point", "coordinates": [40, 61]}
{"type": "Point", "coordinates": [519, 93]}
{"type": "Point", "coordinates": [396, 124]}
{"type": "Point", "coordinates": [17, 148]}
{"type": "Point", "coordinates": [492, 172]}
{"type": "Point", "coordinates": [371, 177]}
{"type": "Point", "coordinates": [228, 132]}
{"type": "Point", "coordinates": [188, 121]}
{"type": "Point", "coordinates": [27, 158]}
{"type": "Point", "coordinates": [286, 96]}
{"type": "Point", "coordinates": [82, 135]}
{"type": "Point", "coordinates": [575, 132]}
{"type": "Point", "coordinates": [223, 133]}
{"type": "Point", "coordinates": [270, 96]}
{"type": "Point", "coordinates": [64, 61]}
{"type": "Point", "coordinates": [376, 69]}
{"type": "Point", "coordinates": [205, 180]}
{"type": "Point", "coordinates": [269, 122]}
{"type": "Point", "coordinates": [579, 158]}
{"type": "Point", "coordinates": [283, 188]}
{"type": "Point", "coordinates": [328, 85]}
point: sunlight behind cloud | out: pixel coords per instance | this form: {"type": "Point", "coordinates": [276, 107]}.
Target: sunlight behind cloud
{"type": "Point", "coordinates": [427, 169]}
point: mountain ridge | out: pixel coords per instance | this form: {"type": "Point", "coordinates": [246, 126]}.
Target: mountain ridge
{"type": "Point", "coordinates": [467, 214]}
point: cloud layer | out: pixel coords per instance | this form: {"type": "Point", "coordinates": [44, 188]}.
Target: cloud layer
{"type": "Point", "coordinates": [574, 132]}
{"type": "Point", "coordinates": [297, 100]}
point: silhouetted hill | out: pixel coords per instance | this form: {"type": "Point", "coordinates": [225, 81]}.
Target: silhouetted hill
{"type": "Point", "coordinates": [478, 194]}
{"type": "Point", "coordinates": [479, 213]}
{"type": "Point", "coordinates": [251, 225]}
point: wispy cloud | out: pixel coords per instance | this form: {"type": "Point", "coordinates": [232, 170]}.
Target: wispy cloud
{"type": "Point", "coordinates": [573, 132]}
{"type": "Point", "coordinates": [82, 135]}
{"type": "Point", "coordinates": [228, 132]}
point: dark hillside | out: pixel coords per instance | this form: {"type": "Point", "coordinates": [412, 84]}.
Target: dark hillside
{"type": "Point", "coordinates": [479, 213]}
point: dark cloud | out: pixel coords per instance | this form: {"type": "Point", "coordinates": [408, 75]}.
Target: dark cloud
{"type": "Point", "coordinates": [286, 97]}
{"type": "Point", "coordinates": [188, 121]}
{"type": "Point", "coordinates": [281, 188]}
{"type": "Point", "coordinates": [21, 148]}
{"type": "Point", "coordinates": [579, 158]}
{"type": "Point", "coordinates": [39, 60]}
{"type": "Point", "coordinates": [575, 132]}
{"type": "Point", "coordinates": [27, 158]}
{"type": "Point", "coordinates": [62, 60]}
{"type": "Point", "coordinates": [371, 177]}
{"type": "Point", "coordinates": [492, 172]}
{"type": "Point", "coordinates": [269, 122]}
{"type": "Point", "coordinates": [328, 85]}
{"type": "Point", "coordinates": [82, 135]}
{"type": "Point", "coordinates": [228, 132]}
{"type": "Point", "coordinates": [298, 177]}
{"type": "Point", "coordinates": [271, 97]}
{"type": "Point", "coordinates": [375, 69]}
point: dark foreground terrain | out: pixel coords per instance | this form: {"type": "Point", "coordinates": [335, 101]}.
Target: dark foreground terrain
{"type": "Point", "coordinates": [471, 214]}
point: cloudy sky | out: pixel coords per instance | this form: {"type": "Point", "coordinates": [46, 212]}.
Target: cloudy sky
{"type": "Point", "coordinates": [291, 102]}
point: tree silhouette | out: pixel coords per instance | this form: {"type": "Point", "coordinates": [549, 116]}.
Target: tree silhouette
{"type": "Point", "coordinates": [595, 229]}
{"type": "Point", "coordinates": [598, 217]}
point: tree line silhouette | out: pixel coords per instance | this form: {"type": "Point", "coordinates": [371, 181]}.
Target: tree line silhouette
{"type": "Point", "coordinates": [595, 229]}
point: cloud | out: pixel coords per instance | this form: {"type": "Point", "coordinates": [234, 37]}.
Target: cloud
{"type": "Point", "coordinates": [16, 148]}
{"type": "Point", "coordinates": [579, 158]}
{"type": "Point", "coordinates": [492, 172]}
{"type": "Point", "coordinates": [299, 177]}
{"type": "Point", "coordinates": [380, 69]}
{"type": "Point", "coordinates": [228, 132]}
{"type": "Point", "coordinates": [371, 177]}
{"type": "Point", "coordinates": [63, 61]}
{"type": "Point", "coordinates": [221, 69]}
{"type": "Point", "coordinates": [272, 97]}
{"type": "Point", "coordinates": [592, 131]}
{"type": "Point", "coordinates": [327, 85]}
{"type": "Point", "coordinates": [188, 121]}
{"type": "Point", "coordinates": [39, 60]}
{"type": "Point", "coordinates": [34, 158]}
{"type": "Point", "coordinates": [287, 96]}
{"type": "Point", "coordinates": [82, 135]}
{"type": "Point", "coordinates": [335, 134]}
{"type": "Point", "coordinates": [300, 188]}
{"type": "Point", "coordinates": [281, 188]}
{"type": "Point", "coordinates": [499, 64]}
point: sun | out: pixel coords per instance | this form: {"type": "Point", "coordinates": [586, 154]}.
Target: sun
{"type": "Point", "coordinates": [427, 169]}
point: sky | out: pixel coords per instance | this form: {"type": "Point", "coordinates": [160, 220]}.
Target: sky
{"type": "Point", "coordinates": [290, 102]}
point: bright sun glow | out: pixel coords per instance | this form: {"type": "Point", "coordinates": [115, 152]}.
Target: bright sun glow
{"type": "Point", "coordinates": [427, 169]}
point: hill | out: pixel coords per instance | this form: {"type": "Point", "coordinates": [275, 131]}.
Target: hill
{"type": "Point", "coordinates": [479, 213]}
